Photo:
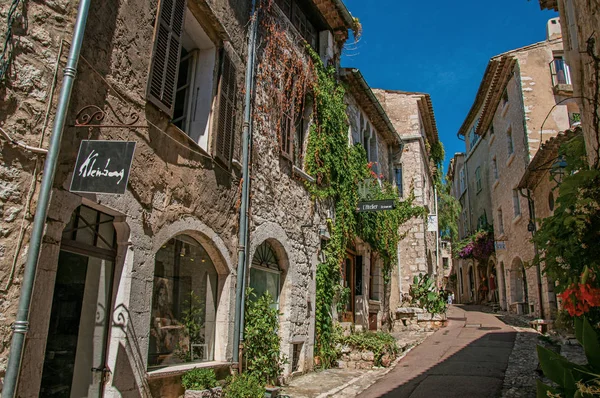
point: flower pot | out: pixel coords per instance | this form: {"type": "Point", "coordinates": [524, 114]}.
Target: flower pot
{"type": "Point", "coordinates": [216, 392]}
{"type": "Point", "coordinates": [271, 392]}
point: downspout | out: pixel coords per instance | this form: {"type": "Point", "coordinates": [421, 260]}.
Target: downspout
{"type": "Point", "coordinates": [21, 325]}
{"type": "Point", "coordinates": [535, 249]}
{"type": "Point", "coordinates": [437, 236]}
{"type": "Point", "coordinates": [238, 329]}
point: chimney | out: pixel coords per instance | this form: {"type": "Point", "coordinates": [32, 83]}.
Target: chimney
{"type": "Point", "coordinates": [553, 29]}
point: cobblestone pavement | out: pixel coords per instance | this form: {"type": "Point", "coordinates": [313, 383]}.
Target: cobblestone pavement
{"type": "Point", "coordinates": [347, 382]}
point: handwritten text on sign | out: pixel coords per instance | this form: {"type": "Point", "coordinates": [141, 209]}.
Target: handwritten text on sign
{"type": "Point", "coordinates": [102, 167]}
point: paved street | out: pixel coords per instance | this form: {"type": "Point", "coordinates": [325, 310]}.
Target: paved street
{"type": "Point", "coordinates": [468, 358]}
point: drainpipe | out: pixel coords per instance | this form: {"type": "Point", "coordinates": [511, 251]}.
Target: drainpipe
{"type": "Point", "coordinates": [238, 330]}
{"type": "Point", "coordinates": [437, 236]}
{"type": "Point", "coordinates": [21, 325]}
{"type": "Point", "coordinates": [535, 249]}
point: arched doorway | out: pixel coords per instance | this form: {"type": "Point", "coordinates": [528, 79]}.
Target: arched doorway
{"type": "Point", "coordinates": [75, 356]}
{"type": "Point", "coordinates": [471, 284]}
{"type": "Point", "coordinates": [493, 281]}
{"type": "Point", "coordinates": [519, 285]}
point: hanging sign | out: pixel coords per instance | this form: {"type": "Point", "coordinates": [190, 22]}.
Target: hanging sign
{"type": "Point", "coordinates": [102, 167]}
{"type": "Point", "coordinates": [376, 205]}
{"type": "Point", "coordinates": [432, 223]}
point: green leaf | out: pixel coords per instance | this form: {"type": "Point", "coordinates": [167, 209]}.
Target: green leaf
{"type": "Point", "coordinates": [579, 329]}
{"type": "Point", "coordinates": [543, 389]}
{"type": "Point", "coordinates": [552, 364]}
{"type": "Point", "coordinates": [590, 344]}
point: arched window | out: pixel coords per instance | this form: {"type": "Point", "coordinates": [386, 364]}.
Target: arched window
{"type": "Point", "coordinates": [184, 304]}
{"type": "Point", "coordinates": [265, 274]}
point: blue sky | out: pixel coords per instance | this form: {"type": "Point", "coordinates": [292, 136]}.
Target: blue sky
{"type": "Point", "coordinates": [441, 48]}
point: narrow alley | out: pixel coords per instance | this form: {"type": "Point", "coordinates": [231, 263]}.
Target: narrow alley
{"type": "Point", "coordinates": [468, 358]}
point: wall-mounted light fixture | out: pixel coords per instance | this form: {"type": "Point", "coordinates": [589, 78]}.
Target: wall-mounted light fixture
{"type": "Point", "coordinates": [557, 170]}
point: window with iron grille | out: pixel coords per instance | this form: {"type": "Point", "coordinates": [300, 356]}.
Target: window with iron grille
{"type": "Point", "coordinates": [298, 17]}
{"type": "Point", "coordinates": [297, 351]}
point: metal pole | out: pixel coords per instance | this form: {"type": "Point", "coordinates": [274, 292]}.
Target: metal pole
{"type": "Point", "coordinates": [535, 249]}
{"type": "Point", "coordinates": [21, 325]}
{"type": "Point", "coordinates": [437, 234]}
{"type": "Point", "coordinates": [238, 329]}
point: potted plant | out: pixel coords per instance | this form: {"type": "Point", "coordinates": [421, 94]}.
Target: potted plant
{"type": "Point", "coordinates": [201, 383]}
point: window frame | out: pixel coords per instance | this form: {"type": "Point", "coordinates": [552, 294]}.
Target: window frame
{"type": "Point", "coordinates": [478, 185]}
{"type": "Point", "coordinates": [510, 142]}
{"type": "Point", "coordinates": [516, 203]}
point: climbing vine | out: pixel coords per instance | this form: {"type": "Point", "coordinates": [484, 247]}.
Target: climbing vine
{"type": "Point", "coordinates": [338, 169]}
{"type": "Point", "coordinates": [290, 77]}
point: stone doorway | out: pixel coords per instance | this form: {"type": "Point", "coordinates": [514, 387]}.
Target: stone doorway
{"type": "Point", "coordinates": [75, 357]}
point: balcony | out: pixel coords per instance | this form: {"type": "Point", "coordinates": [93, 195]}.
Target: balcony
{"type": "Point", "coordinates": [561, 77]}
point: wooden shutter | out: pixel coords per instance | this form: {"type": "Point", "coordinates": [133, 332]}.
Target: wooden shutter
{"type": "Point", "coordinates": [226, 123]}
{"type": "Point", "coordinates": [167, 50]}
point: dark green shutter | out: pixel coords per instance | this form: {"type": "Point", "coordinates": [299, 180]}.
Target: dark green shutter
{"type": "Point", "coordinates": [226, 123]}
{"type": "Point", "coordinates": [167, 49]}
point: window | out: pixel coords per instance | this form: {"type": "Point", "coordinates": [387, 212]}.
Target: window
{"type": "Point", "coordinates": [226, 123]}
{"type": "Point", "coordinates": [516, 203]}
{"type": "Point", "coordinates": [399, 180]}
{"type": "Point", "coordinates": [495, 168]}
{"type": "Point", "coordinates": [559, 71]}
{"type": "Point", "coordinates": [374, 279]}
{"type": "Point", "coordinates": [462, 181]}
{"type": "Point", "coordinates": [505, 97]}
{"type": "Point", "coordinates": [297, 16]}
{"type": "Point", "coordinates": [182, 76]}
{"type": "Point", "coordinates": [478, 179]}
{"type": "Point", "coordinates": [184, 304]}
{"type": "Point", "coordinates": [500, 222]}
{"type": "Point", "coordinates": [265, 274]}
{"type": "Point", "coordinates": [509, 140]}
{"type": "Point", "coordinates": [445, 262]}
{"type": "Point", "coordinates": [473, 136]}
{"type": "Point", "coordinates": [296, 351]}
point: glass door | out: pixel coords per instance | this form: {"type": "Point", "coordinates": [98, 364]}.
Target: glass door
{"type": "Point", "coordinates": [74, 362]}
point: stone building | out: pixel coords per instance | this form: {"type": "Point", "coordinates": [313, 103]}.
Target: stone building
{"type": "Point", "coordinates": [579, 22]}
{"type": "Point", "coordinates": [369, 126]}
{"type": "Point", "coordinates": [412, 116]}
{"type": "Point", "coordinates": [521, 108]}
{"type": "Point", "coordinates": [541, 187]}
{"type": "Point", "coordinates": [120, 276]}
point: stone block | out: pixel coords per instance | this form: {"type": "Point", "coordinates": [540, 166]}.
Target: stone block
{"type": "Point", "coordinates": [368, 356]}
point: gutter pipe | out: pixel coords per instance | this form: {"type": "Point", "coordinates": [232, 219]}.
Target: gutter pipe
{"type": "Point", "coordinates": [238, 330]}
{"type": "Point", "coordinates": [21, 324]}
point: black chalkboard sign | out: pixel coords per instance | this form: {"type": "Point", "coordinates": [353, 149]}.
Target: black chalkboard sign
{"type": "Point", "coordinates": [102, 167]}
{"type": "Point", "coordinates": [376, 205]}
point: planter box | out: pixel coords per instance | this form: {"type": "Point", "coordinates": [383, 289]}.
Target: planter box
{"type": "Point", "coordinates": [216, 392]}
{"type": "Point", "coordinates": [414, 318]}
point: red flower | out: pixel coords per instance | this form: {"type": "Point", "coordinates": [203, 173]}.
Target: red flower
{"type": "Point", "coordinates": [579, 298]}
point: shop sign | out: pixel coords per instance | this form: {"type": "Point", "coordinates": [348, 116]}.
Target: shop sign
{"type": "Point", "coordinates": [102, 167]}
{"type": "Point", "coordinates": [376, 205]}
{"type": "Point", "coordinates": [500, 245]}
{"type": "Point", "coordinates": [432, 223]}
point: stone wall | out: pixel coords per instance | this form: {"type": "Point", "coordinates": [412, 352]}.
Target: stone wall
{"type": "Point", "coordinates": [579, 21]}
{"type": "Point", "coordinates": [530, 99]}
{"type": "Point", "coordinates": [417, 251]}
{"type": "Point", "coordinates": [175, 187]}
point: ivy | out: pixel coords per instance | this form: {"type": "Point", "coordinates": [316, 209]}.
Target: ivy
{"type": "Point", "coordinates": [338, 169]}
{"type": "Point", "coordinates": [379, 343]}
{"type": "Point", "coordinates": [568, 240]}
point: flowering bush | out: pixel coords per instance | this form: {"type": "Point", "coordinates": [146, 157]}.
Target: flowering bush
{"type": "Point", "coordinates": [578, 299]}
{"type": "Point", "coordinates": [479, 246]}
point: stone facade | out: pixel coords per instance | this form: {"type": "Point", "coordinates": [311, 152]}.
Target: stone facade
{"type": "Point", "coordinates": [417, 251]}
{"type": "Point", "coordinates": [177, 188]}
{"type": "Point", "coordinates": [518, 108]}
{"type": "Point", "coordinates": [579, 21]}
